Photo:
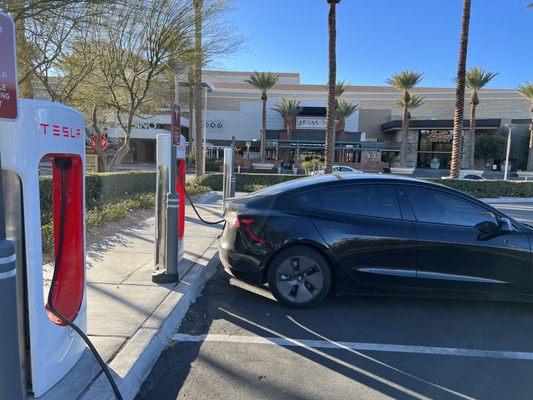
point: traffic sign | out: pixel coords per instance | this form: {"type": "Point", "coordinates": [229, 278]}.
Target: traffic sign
{"type": "Point", "coordinates": [8, 69]}
{"type": "Point", "coordinates": [103, 143]}
{"type": "Point", "coordinates": [176, 124]}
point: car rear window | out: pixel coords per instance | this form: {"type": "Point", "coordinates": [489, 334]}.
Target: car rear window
{"type": "Point", "coordinates": [363, 199]}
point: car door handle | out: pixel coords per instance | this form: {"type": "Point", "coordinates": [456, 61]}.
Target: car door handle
{"type": "Point", "coordinates": [509, 243]}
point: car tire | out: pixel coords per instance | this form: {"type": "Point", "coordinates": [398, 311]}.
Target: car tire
{"type": "Point", "coordinates": [299, 277]}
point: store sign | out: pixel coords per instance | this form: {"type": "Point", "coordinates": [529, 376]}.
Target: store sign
{"type": "Point", "coordinates": [310, 123]}
{"type": "Point", "coordinates": [440, 136]}
{"type": "Point", "coordinates": [8, 69]}
{"type": "Point", "coordinates": [214, 126]}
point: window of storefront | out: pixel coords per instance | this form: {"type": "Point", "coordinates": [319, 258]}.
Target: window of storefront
{"type": "Point", "coordinates": [434, 145]}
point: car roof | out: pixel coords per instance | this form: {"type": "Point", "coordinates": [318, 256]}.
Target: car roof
{"type": "Point", "coordinates": [313, 180]}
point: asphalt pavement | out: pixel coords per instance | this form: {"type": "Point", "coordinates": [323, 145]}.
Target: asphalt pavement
{"type": "Point", "coordinates": [237, 342]}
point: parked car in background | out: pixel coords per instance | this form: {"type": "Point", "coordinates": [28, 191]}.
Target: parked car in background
{"type": "Point", "coordinates": [473, 177]}
{"type": "Point", "coordinates": [342, 169]}
{"type": "Point", "coordinates": [374, 234]}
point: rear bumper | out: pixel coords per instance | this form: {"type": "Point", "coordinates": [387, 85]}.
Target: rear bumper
{"type": "Point", "coordinates": [241, 266]}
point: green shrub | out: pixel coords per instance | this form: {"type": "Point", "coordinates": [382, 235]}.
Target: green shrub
{"type": "Point", "coordinates": [101, 189]}
{"type": "Point", "coordinates": [490, 189]}
{"type": "Point", "coordinates": [98, 217]}
{"type": "Point", "coordinates": [212, 165]}
{"type": "Point", "coordinates": [245, 182]}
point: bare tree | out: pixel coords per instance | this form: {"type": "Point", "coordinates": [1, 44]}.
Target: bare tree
{"type": "Point", "coordinates": [133, 47]}
{"type": "Point", "coordinates": [44, 30]}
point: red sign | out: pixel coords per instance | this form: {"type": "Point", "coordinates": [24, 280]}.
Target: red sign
{"type": "Point", "coordinates": [8, 69]}
{"type": "Point", "coordinates": [176, 124]}
{"type": "Point", "coordinates": [95, 139]}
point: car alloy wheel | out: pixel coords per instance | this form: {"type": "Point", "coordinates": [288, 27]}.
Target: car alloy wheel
{"type": "Point", "coordinates": [299, 277]}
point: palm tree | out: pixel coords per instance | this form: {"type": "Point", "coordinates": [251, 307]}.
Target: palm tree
{"type": "Point", "coordinates": [289, 110]}
{"type": "Point", "coordinates": [340, 88]}
{"type": "Point", "coordinates": [476, 79]}
{"type": "Point", "coordinates": [404, 82]}
{"type": "Point", "coordinates": [332, 77]}
{"type": "Point", "coordinates": [415, 101]}
{"type": "Point", "coordinates": [197, 95]}
{"type": "Point", "coordinates": [343, 111]}
{"type": "Point", "coordinates": [526, 90]}
{"type": "Point", "coordinates": [457, 145]}
{"type": "Point", "coordinates": [264, 82]}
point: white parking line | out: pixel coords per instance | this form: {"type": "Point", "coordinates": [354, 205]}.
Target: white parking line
{"type": "Point", "coordinates": [323, 344]}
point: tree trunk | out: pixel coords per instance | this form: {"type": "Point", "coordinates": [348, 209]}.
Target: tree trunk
{"type": "Point", "coordinates": [405, 129]}
{"type": "Point", "coordinates": [460, 94]}
{"type": "Point", "coordinates": [198, 98]}
{"type": "Point", "coordinates": [332, 77]}
{"type": "Point", "coordinates": [263, 126]}
{"type": "Point", "coordinates": [25, 88]}
{"type": "Point", "coordinates": [121, 153]}
{"type": "Point", "coordinates": [471, 156]}
{"type": "Point", "coordinates": [191, 111]}
{"type": "Point", "coordinates": [530, 154]}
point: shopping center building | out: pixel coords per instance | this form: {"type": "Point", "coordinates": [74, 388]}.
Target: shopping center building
{"type": "Point", "coordinates": [233, 112]}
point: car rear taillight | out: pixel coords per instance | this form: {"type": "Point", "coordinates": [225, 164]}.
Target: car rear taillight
{"type": "Point", "coordinates": [235, 221]}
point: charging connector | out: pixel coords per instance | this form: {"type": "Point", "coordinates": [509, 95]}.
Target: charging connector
{"type": "Point", "coordinates": [64, 164]}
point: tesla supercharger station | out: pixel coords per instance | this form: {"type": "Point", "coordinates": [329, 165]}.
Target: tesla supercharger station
{"type": "Point", "coordinates": [163, 142]}
{"type": "Point", "coordinates": [49, 349]}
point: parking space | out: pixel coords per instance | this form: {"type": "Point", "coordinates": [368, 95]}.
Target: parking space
{"type": "Point", "coordinates": [237, 342]}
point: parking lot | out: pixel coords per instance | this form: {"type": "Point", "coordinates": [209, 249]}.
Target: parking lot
{"type": "Point", "coordinates": [238, 343]}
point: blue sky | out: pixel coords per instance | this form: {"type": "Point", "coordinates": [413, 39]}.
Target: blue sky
{"type": "Point", "coordinates": [377, 38]}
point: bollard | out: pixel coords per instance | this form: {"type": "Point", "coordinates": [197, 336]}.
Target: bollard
{"type": "Point", "coordinates": [229, 181]}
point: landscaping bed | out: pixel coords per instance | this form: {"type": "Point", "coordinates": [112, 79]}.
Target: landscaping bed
{"type": "Point", "coordinates": [109, 198]}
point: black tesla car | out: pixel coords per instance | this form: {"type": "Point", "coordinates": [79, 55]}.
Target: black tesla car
{"type": "Point", "coordinates": [374, 234]}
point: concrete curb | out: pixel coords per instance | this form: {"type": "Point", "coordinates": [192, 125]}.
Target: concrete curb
{"type": "Point", "coordinates": [506, 200]}
{"type": "Point", "coordinates": [134, 361]}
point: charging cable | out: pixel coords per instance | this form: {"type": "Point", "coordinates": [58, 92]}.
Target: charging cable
{"type": "Point", "coordinates": [64, 164]}
{"type": "Point", "coordinates": [194, 208]}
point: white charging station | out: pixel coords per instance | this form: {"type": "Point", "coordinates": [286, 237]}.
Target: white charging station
{"type": "Point", "coordinates": [51, 130]}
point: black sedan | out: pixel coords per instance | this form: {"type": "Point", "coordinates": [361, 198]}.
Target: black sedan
{"type": "Point", "coordinates": [374, 234]}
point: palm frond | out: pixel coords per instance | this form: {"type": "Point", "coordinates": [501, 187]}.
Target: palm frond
{"type": "Point", "coordinates": [263, 80]}
{"type": "Point", "coordinates": [345, 109]}
{"type": "Point", "coordinates": [406, 80]}
{"type": "Point", "coordinates": [340, 88]}
{"type": "Point", "coordinates": [476, 78]}
{"type": "Point", "coordinates": [288, 108]}
{"type": "Point", "coordinates": [415, 101]}
{"type": "Point", "coordinates": [526, 90]}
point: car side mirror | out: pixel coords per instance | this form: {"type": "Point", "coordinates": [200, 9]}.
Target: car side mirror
{"type": "Point", "coordinates": [505, 225]}
{"type": "Point", "coordinates": [488, 227]}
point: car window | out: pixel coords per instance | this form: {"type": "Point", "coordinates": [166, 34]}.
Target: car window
{"type": "Point", "coordinates": [366, 200]}
{"type": "Point", "coordinates": [436, 206]}
{"type": "Point", "coordinates": [344, 169]}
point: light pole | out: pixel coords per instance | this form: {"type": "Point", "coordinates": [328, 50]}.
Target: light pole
{"type": "Point", "coordinates": [509, 127]}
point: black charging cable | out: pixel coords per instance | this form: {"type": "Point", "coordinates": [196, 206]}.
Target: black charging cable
{"type": "Point", "coordinates": [194, 208]}
{"type": "Point", "coordinates": [64, 164]}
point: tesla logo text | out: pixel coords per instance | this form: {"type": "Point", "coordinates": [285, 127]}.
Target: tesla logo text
{"type": "Point", "coordinates": [60, 130]}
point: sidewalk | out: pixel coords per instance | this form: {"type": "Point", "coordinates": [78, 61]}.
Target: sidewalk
{"type": "Point", "coordinates": [129, 317]}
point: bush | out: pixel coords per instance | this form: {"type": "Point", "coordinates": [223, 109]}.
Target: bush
{"type": "Point", "coordinates": [245, 182]}
{"type": "Point", "coordinates": [98, 217]}
{"type": "Point", "coordinates": [101, 189]}
{"type": "Point", "coordinates": [490, 189]}
{"type": "Point", "coordinates": [212, 165]}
